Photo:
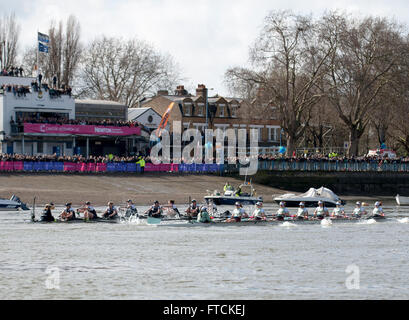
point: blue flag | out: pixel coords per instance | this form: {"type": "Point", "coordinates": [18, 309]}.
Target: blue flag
{"type": "Point", "coordinates": [42, 47]}
{"type": "Point", "coordinates": [43, 37]}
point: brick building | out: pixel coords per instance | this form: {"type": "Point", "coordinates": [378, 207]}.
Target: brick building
{"type": "Point", "coordinates": [223, 113]}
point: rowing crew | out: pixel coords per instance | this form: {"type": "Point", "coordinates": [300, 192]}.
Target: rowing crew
{"type": "Point", "coordinates": [302, 214]}
{"type": "Point", "coordinates": [89, 212]}
{"type": "Point", "coordinates": [201, 214]}
{"type": "Point", "coordinates": [321, 211]}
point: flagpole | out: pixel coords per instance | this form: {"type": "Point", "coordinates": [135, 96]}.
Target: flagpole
{"type": "Point", "coordinates": [37, 48]}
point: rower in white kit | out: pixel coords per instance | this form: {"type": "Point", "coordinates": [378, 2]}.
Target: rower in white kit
{"type": "Point", "coordinates": [358, 211]}
{"type": "Point", "coordinates": [338, 211]}
{"type": "Point", "coordinates": [283, 212]}
{"type": "Point", "coordinates": [378, 211]}
{"type": "Point", "coordinates": [258, 213]}
{"type": "Point", "coordinates": [321, 211]}
{"type": "Point", "coordinates": [302, 212]}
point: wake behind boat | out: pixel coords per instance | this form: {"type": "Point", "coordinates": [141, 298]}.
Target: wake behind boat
{"type": "Point", "coordinates": [14, 203]}
{"type": "Point", "coordinates": [310, 198]}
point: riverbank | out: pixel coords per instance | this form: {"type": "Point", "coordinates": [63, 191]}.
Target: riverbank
{"type": "Point", "coordinates": [99, 189]}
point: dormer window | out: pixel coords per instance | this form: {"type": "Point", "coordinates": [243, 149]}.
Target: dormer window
{"type": "Point", "coordinates": [200, 107]}
{"type": "Point", "coordinates": [233, 111]}
{"type": "Point", "coordinates": [222, 108]}
{"type": "Point", "coordinates": [187, 109]}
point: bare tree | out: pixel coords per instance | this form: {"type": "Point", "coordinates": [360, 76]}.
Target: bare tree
{"type": "Point", "coordinates": [54, 57]}
{"type": "Point", "coordinates": [64, 52]}
{"type": "Point", "coordinates": [124, 71]}
{"type": "Point", "coordinates": [366, 51]}
{"type": "Point", "coordinates": [287, 63]}
{"type": "Point", "coordinates": [9, 36]}
{"type": "Point", "coordinates": [71, 49]}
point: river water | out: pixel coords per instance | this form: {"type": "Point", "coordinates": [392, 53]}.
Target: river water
{"type": "Point", "coordinates": [130, 261]}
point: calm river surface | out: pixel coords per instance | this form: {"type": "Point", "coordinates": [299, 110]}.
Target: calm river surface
{"type": "Point", "coordinates": [131, 261]}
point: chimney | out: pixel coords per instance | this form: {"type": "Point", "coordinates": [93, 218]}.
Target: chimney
{"type": "Point", "coordinates": [162, 93]}
{"type": "Point", "coordinates": [201, 90]}
{"type": "Point", "coordinates": [180, 91]}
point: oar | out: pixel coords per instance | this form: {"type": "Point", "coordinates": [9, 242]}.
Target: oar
{"type": "Point", "coordinates": [33, 214]}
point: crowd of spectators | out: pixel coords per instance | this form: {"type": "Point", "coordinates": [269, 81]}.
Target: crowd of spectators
{"type": "Point", "coordinates": [53, 91]}
{"type": "Point", "coordinates": [149, 159]}
{"type": "Point", "coordinates": [12, 72]}
{"type": "Point", "coordinates": [75, 158]}
{"type": "Point", "coordinates": [19, 91]}
{"type": "Point", "coordinates": [328, 158]}
{"type": "Point", "coordinates": [63, 120]}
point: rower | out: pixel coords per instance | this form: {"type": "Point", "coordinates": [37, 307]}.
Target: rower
{"type": "Point", "coordinates": [171, 210]}
{"type": "Point", "coordinates": [131, 209]}
{"type": "Point", "coordinates": [203, 216]}
{"type": "Point", "coordinates": [155, 211]}
{"type": "Point", "coordinates": [88, 211]}
{"type": "Point", "coordinates": [302, 212]}
{"type": "Point", "coordinates": [358, 211]}
{"type": "Point", "coordinates": [68, 213]}
{"type": "Point", "coordinates": [193, 209]}
{"type": "Point", "coordinates": [258, 213]}
{"type": "Point", "coordinates": [46, 215]}
{"type": "Point", "coordinates": [282, 212]}
{"type": "Point", "coordinates": [338, 211]}
{"type": "Point", "coordinates": [111, 212]}
{"type": "Point", "coordinates": [321, 211]}
{"type": "Point", "coordinates": [378, 211]}
{"type": "Point", "coordinates": [238, 213]}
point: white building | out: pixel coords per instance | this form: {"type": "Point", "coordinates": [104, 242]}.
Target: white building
{"type": "Point", "coordinates": [32, 104]}
{"type": "Point", "coordinates": [146, 116]}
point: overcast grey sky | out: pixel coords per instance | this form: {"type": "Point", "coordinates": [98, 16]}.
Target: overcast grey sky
{"type": "Point", "coordinates": [205, 37]}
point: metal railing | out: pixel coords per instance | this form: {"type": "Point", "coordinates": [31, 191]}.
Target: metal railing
{"type": "Point", "coordinates": [334, 165]}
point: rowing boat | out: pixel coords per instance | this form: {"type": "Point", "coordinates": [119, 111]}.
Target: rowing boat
{"type": "Point", "coordinates": [81, 220]}
{"type": "Point", "coordinates": [251, 222]}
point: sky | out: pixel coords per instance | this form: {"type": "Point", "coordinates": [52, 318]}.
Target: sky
{"type": "Point", "coordinates": [205, 37]}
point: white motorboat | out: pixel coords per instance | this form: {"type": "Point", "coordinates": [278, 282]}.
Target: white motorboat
{"type": "Point", "coordinates": [14, 203]}
{"type": "Point", "coordinates": [402, 201]}
{"type": "Point", "coordinates": [311, 198]}
{"type": "Point", "coordinates": [245, 196]}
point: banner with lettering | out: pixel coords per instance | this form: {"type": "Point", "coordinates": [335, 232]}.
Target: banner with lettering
{"type": "Point", "coordinates": [65, 129]}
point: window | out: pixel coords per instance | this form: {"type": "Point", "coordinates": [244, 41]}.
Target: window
{"type": "Point", "coordinates": [274, 113]}
{"type": "Point", "coordinates": [234, 111]}
{"type": "Point", "coordinates": [222, 108]}
{"type": "Point", "coordinates": [200, 109]}
{"type": "Point", "coordinates": [40, 147]}
{"type": "Point", "coordinates": [187, 109]}
{"type": "Point", "coordinates": [273, 133]}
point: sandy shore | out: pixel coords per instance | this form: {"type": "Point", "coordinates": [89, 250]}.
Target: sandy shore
{"type": "Point", "coordinates": [99, 189]}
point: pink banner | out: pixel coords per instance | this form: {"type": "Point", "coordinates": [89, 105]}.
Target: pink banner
{"type": "Point", "coordinates": [2, 165]}
{"type": "Point", "coordinates": [80, 129]}
{"type": "Point", "coordinates": [101, 167]}
{"type": "Point", "coordinates": [70, 166]}
{"type": "Point", "coordinates": [91, 167]}
{"type": "Point", "coordinates": [8, 166]}
{"type": "Point", "coordinates": [151, 167]}
{"type": "Point", "coordinates": [18, 166]}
